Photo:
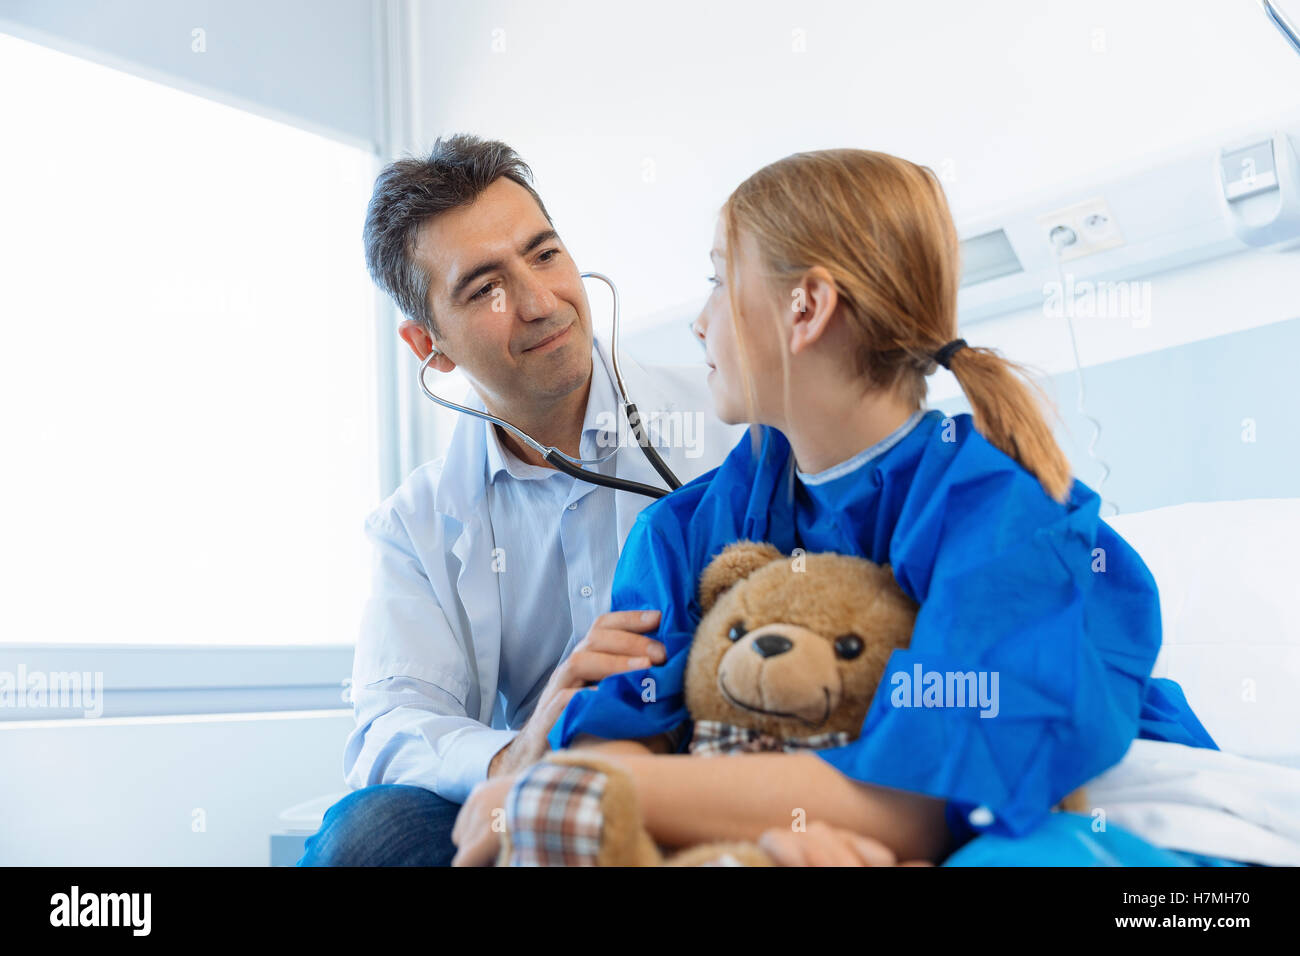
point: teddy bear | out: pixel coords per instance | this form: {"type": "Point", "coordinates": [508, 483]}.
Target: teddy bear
{"type": "Point", "coordinates": [787, 656]}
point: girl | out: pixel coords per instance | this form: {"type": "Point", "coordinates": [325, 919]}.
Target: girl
{"type": "Point", "coordinates": [835, 296]}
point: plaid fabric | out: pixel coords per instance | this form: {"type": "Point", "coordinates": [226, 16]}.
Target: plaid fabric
{"type": "Point", "coordinates": [553, 816]}
{"type": "Point", "coordinates": [712, 737]}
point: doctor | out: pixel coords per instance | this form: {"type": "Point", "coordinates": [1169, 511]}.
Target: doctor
{"type": "Point", "coordinates": [491, 567]}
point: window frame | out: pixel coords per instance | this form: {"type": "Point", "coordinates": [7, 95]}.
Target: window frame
{"type": "Point", "coordinates": [161, 680]}
{"type": "Point", "coordinates": [142, 680]}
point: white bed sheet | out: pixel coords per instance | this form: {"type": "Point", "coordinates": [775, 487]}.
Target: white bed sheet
{"type": "Point", "coordinates": [1204, 801]}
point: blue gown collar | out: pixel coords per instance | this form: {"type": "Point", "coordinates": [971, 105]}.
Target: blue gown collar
{"type": "Point", "coordinates": [861, 458]}
{"type": "Point", "coordinates": [770, 514]}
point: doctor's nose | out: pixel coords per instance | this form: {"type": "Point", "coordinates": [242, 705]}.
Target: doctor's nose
{"type": "Point", "coordinates": [535, 300]}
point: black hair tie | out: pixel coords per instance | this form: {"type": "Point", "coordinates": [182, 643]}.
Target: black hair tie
{"type": "Point", "coordinates": [945, 354]}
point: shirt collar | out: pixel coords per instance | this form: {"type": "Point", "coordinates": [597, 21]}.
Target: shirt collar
{"type": "Point", "coordinates": [864, 456]}
{"type": "Point", "coordinates": [599, 430]}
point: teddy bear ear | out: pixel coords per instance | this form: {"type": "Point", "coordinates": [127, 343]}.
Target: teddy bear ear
{"type": "Point", "coordinates": [733, 563]}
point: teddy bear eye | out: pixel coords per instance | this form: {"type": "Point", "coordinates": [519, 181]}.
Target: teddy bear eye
{"type": "Point", "coordinates": [737, 631]}
{"type": "Point", "coordinates": [848, 646]}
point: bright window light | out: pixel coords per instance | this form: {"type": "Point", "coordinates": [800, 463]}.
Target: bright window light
{"type": "Point", "coordinates": [187, 366]}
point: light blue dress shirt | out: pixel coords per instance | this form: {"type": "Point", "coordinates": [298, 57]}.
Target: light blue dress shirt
{"type": "Point", "coordinates": [559, 580]}
{"type": "Point", "coordinates": [486, 573]}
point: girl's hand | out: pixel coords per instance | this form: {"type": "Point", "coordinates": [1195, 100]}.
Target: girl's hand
{"type": "Point", "coordinates": [825, 845]}
{"type": "Point", "coordinates": [477, 831]}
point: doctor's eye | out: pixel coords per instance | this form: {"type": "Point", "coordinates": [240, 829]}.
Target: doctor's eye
{"type": "Point", "coordinates": [737, 632]}
{"type": "Point", "coordinates": [848, 646]}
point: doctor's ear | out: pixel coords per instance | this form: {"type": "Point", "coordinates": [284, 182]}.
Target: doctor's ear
{"type": "Point", "coordinates": [812, 303]}
{"type": "Point", "coordinates": [418, 339]}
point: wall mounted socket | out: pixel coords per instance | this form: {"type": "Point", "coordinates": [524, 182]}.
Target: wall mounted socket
{"type": "Point", "coordinates": [1081, 229]}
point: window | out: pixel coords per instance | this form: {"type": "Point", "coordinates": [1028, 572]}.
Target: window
{"type": "Point", "coordinates": [187, 366]}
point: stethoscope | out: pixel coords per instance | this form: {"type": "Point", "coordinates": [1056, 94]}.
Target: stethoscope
{"type": "Point", "coordinates": [1284, 26]}
{"type": "Point", "coordinates": [565, 463]}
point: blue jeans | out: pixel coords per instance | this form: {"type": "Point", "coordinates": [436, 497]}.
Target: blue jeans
{"type": "Point", "coordinates": [391, 824]}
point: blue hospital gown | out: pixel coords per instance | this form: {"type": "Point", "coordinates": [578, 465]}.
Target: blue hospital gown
{"type": "Point", "coordinates": [1008, 581]}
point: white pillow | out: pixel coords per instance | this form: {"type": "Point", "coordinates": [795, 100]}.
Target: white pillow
{"type": "Point", "coordinates": [1228, 574]}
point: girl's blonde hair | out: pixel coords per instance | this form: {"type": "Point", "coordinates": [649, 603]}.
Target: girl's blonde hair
{"type": "Point", "coordinates": [880, 226]}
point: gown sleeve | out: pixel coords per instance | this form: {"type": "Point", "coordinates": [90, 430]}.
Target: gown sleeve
{"type": "Point", "coordinates": [1047, 605]}
{"type": "Point", "coordinates": [654, 572]}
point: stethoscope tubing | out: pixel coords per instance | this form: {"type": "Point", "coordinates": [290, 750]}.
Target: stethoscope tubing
{"type": "Point", "coordinates": [557, 458]}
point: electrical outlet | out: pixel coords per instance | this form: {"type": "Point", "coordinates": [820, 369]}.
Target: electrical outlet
{"type": "Point", "coordinates": [1081, 230]}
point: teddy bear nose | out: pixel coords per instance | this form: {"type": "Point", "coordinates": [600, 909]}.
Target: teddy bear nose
{"type": "Point", "coordinates": [770, 645]}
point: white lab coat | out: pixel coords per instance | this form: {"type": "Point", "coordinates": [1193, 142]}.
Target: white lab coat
{"type": "Point", "coordinates": [424, 681]}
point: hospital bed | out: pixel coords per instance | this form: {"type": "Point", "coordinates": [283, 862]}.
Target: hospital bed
{"type": "Point", "coordinates": [1228, 574]}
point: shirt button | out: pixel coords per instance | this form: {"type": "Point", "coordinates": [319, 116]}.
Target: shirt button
{"type": "Point", "coordinates": [586, 590]}
{"type": "Point", "coordinates": [573, 506]}
{"type": "Point", "coordinates": [981, 817]}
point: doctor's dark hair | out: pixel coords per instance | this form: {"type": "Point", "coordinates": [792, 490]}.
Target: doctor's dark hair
{"type": "Point", "coordinates": [409, 191]}
{"type": "Point", "coordinates": [881, 227]}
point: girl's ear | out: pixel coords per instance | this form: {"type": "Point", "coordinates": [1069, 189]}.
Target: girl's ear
{"type": "Point", "coordinates": [733, 563]}
{"type": "Point", "coordinates": [812, 303]}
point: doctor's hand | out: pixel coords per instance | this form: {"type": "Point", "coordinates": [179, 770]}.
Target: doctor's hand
{"type": "Point", "coordinates": [477, 830]}
{"type": "Point", "coordinates": [615, 643]}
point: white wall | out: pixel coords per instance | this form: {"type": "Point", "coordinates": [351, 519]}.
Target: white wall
{"type": "Point", "coordinates": [639, 120]}
{"type": "Point", "coordinates": [1012, 97]}
{"type": "Point", "coordinates": [122, 792]}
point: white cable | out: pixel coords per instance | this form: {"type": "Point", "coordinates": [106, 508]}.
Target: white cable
{"type": "Point", "coordinates": [1060, 238]}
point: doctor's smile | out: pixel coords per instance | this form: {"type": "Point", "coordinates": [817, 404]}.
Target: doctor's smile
{"type": "Point", "coordinates": [550, 341]}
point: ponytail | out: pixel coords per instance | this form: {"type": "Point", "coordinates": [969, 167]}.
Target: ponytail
{"type": "Point", "coordinates": [1010, 417]}
{"type": "Point", "coordinates": [881, 226]}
